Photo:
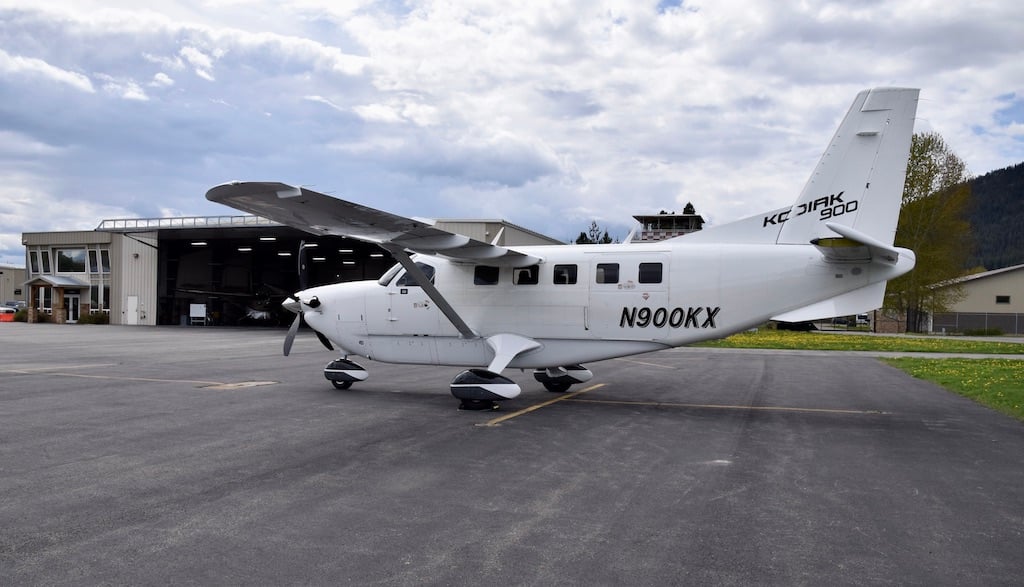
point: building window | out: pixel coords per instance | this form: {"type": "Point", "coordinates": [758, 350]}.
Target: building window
{"type": "Point", "coordinates": [71, 260]}
{"type": "Point", "coordinates": [33, 261]}
{"type": "Point", "coordinates": [1002, 299]}
{"type": "Point", "coordinates": [94, 265]}
{"type": "Point", "coordinates": [105, 260]}
{"type": "Point", "coordinates": [485, 275]}
{"type": "Point", "coordinates": [607, 273]}
{"type": "Point", "coordinates": [45, 298]}
{"type": "Point", "coordinates": [650, 272]}
{"type": "Point", "coordinates": [44, 256]}
{"type": "Point", "coordinates": [565, 274]}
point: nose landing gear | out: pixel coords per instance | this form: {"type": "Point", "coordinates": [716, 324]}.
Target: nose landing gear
{"type": "Point", "coordinates": [342, 373]}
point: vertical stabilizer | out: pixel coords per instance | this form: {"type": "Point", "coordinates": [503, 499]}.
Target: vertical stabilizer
{"type": "Point", "coordinates": [859, 180]}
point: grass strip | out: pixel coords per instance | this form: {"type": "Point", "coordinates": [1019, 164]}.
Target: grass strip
{"type": "Point", "coordinates": [784, 339]}
{"type": "Point", "coordinates": [996, 383]}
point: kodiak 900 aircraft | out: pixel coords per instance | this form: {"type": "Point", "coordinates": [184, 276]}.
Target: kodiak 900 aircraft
{"type": "Point", "coordinates": [453, 300]}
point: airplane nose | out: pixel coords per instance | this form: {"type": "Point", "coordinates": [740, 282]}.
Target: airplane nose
{"type": "Point", "coordinates": [292, 305]}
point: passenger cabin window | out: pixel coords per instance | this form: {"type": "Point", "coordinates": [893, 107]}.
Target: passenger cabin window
{"type": "Point", "coordinates": [650, 272]}
{"type": "Point", "coordinates": [565, 274]}
{"type": "Point", "coordinates": [526, 275]}
{"type": "Point", "coordinates": [607, 273]}
{"type": "Point", "coordinates": [407, 280]}
{"type": "Point", "coordinates": [485, 275]}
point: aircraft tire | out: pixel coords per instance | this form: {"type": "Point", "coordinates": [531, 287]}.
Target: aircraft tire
{"type": "Point", "coordinates": [557, 386]}
{"type": "Point", "coordinates": [341, 384]}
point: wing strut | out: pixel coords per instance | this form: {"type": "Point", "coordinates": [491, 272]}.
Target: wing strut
{"type": "Point", "coordinates": [423, 281]}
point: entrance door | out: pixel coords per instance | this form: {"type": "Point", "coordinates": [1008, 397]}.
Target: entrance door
{"type": "Point", "coordinates": [74, 304]}
{"type": "Point", "coordinates": [131, 311]}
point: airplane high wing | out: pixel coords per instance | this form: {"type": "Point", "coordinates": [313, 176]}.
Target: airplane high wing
{"type": "Point", "coordinates": [321, 214]}
{"type": "Point", "coordinates": [453, 300]}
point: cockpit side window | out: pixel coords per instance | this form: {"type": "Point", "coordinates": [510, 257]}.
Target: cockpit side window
{"type": "Point", "coordinates": [406, 280]}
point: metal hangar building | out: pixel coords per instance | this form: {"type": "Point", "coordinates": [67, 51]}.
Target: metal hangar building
{"type": "Point", "coordinates": [203, 270]}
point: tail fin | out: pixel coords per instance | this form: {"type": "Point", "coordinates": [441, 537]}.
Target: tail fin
{"type": "Point", "coordinates": [859, 180]}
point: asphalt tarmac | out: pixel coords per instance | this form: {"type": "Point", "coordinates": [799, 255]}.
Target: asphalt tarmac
{"type": "Point", "coordinates": [140, 455]}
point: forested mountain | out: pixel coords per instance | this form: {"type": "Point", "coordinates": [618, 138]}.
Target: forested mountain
{"type": "Point", "coordinates": [997, 218]}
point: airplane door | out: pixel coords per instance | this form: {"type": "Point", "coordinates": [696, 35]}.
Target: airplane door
{"type": "Point", "coordinates": [629, 294]}
{"type": "Point", "coordinates": [405, 309]}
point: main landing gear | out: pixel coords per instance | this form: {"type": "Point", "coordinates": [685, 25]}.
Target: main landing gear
{"type": "Point", "coordinates": [476, 389]}
{"type": "Point", "coordinates": [480, 389]}
{"type": "Point", "coordinates": [560, 379]}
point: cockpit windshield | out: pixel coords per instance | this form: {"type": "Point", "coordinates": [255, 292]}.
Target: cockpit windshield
{"type": "Point", "coordinates": [387, 277]}
{"type": "Point", "coordinates": [406, 279]}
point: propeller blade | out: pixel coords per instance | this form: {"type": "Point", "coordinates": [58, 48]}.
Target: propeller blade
{"type": "Point", "coordinates": [290, 338]}
{"type": "Point", "coordinates": [303, 268]}
{"type": "Point", "coordinates": [323, 340]}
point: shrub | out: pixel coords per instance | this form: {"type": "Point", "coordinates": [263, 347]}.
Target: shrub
{"type": "Point", "coordinates": [94, 318]}
{"type": "Point", "coordinates": [983, 332]}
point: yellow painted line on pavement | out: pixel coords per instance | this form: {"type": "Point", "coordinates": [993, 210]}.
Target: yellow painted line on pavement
{"type": "Point", "coordinates": [728, 407]}
{"type": "Point", "coordinates": [534, 407]}
{"type": "Point", "coordinates": [212, 385]}
{"type": "Point", "coordinates": [31, 370]}
{"type": "Point", "coordinates": [646, 364]}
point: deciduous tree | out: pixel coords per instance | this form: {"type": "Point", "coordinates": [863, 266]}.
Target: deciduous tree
{"type": "Point", "coordinates": [934, 224]}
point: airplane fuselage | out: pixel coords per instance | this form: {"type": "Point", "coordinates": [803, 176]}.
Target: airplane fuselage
{"type": "Point", "coordinates": [585, 302]}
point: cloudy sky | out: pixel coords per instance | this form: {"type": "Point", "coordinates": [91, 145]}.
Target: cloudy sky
{"type": "Point", "coordinates": [547, 114]}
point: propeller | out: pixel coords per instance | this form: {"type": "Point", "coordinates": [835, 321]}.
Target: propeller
{"type": "Point", "coordinates": [290, 337]}
{"type": "Point", "coordinates": [294, 304]}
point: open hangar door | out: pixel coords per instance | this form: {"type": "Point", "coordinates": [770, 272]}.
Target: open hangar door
{"type": "Point", "coordinates": [240, 276]}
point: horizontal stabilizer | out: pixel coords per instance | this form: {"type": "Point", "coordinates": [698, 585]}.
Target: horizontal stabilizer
{"type": "Point", "coordinates": [854, 246]}
{"type": "Point", "coordinates": [858, 301]}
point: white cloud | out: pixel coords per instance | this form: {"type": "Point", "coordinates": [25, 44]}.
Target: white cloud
{"type": "Point", "coordinates": [14, 64]}
{"type": "Point", "coordinates": [161, 80]}
{"type": "Point", "coordinates": [124, 88]}
{"type": "Point", "coordinates": [201, 63]}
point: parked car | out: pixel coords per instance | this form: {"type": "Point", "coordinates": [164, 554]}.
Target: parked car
{"type": "Point", "coordinates": [16, 304]}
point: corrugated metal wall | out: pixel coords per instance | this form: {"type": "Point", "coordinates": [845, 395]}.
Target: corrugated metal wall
{"type": "Point", "coordinates": [133, 278]}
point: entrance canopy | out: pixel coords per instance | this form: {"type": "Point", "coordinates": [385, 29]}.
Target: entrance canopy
{"type": "Point", "coordinates": [60, 284]}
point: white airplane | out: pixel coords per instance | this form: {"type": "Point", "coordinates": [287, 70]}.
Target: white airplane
{"type": "Point", "coordinates": [452, 300]}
